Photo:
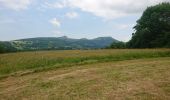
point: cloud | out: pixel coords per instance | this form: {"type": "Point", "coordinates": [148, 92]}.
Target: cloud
{"type": "Point", "coordinates": [123, 26]}
{"type": "Point", "coordinates": [71, 15]}
{"type": "Point", "coordinates": [54, 5]}
{"type": "Point", "coordinates": [109, 9]}
{"type": "Point", "coordinates": [15, 4]}
{"type": "Point", "coordinates": [55, 22]}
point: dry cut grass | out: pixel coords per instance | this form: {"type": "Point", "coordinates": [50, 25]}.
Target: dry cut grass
{"type": "Point", "coordinates": [144, 79]}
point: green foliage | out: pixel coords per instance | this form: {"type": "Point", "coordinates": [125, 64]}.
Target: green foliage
{"type": "Point", "coordinates": [6, 47]}
{"type": "Point", "coordinates": [153, 28]}
{"type": "Point", "coordinates": [117, 45]}
{"type": "Point", "coordinates": [1, 48]}
{"type": "Point", "coordinates": [60, 43]}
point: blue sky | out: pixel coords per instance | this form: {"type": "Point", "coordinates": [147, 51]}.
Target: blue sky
{"type": "Point", "coordinates": [72, 18]}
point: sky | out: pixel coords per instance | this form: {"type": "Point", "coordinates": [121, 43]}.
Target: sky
{"type": "Point", "coordinates": [73, 18]}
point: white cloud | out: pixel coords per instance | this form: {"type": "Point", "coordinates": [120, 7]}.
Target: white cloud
{"type": "Point", "coordinates": [71, 15]}
{"type": "Point", "coordinates": [55, 22]}
{"type": "Point", "coordinates": [110, 9]}
{"type": "Point", "coordinates": [123, 26]}
{"type": "Point", "coordinates": [15, 4]}
{"type": "Point", "coordinates": [54, 5]}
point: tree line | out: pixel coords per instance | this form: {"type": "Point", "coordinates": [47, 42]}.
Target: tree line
{"type": "Point", "coordinates": [152, 29]}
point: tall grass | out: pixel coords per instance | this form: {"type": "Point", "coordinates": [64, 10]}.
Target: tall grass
{"type": "Point", "coordinates": [14, 63]}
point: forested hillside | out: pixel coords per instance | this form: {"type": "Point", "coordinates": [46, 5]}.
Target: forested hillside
{"type": "Point", "coordinates": [52, 43]}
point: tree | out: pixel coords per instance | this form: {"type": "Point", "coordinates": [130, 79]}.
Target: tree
{"type": "Point", "coordinates": [117, 45]}
{"type": "Point", "coordinates": [6, 47]}
{"type": "Point", "coordinates": [1, 48]}
{"type": "Point", "coordinates": [153, 28]}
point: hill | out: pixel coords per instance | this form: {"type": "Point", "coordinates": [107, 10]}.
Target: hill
{"type": "Point", "coordinates": [60, 43]}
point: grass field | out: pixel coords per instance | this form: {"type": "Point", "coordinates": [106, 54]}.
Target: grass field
{"type": "Point", "coordinates": [140, 74]}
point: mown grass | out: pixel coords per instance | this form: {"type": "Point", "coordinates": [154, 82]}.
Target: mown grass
{"type": "Point", "coordinates": [143, 79]}
{"type": "Point", "coordinates": [28, 62]}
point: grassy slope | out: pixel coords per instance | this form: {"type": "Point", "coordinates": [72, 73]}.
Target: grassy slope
{"type": "Point", "coordinates": [30, 62]}
{"type": "Point", "coordinates": [144, 79]}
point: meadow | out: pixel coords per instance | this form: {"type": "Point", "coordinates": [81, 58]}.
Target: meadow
{"type": "Point", "coordinates": [119, 74]}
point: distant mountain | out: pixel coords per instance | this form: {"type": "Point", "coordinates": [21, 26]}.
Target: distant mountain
{"type": "Point", "coordinates": [60, 43]}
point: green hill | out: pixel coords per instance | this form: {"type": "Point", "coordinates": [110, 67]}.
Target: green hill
{"type": "Point", "coordinates": [60, 43]}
